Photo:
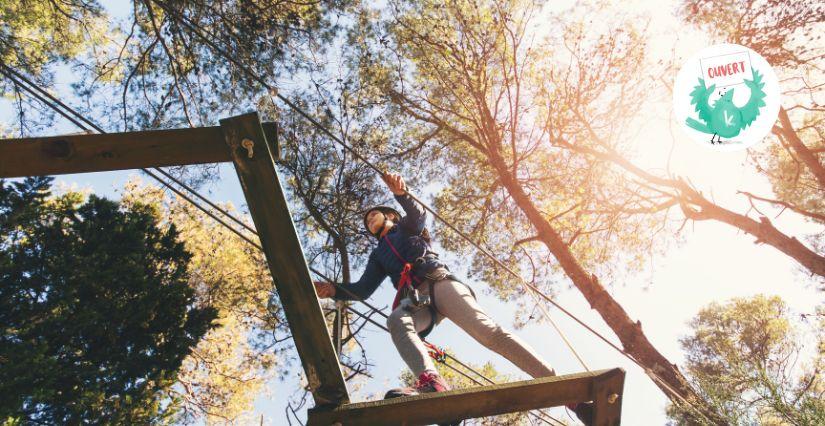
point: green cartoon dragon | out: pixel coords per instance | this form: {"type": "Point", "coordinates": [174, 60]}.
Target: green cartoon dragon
{"type": "Point", "coordinates": [724, 119]}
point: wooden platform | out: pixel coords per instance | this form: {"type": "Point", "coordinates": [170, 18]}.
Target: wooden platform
{"type": "Point", "coordinates": [603, 387]}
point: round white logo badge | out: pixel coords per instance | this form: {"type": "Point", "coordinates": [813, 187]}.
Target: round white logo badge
{"type": "Point", "coordinates": [726, 97]}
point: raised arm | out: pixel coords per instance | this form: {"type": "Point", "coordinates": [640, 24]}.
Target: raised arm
{"type": "Point", "coordinates": [416, 216]}
{"type": "Point", "coordinates": [372, 277]}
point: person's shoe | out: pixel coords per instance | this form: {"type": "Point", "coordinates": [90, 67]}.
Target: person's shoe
{"type": "Point", "coordinates": [431, 382]}
{"type": "Point", "coordinates": [584, 411]}
{"type": "Point", "coordinates": [399, 392]}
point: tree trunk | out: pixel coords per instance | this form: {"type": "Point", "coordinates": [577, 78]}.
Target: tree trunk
{"type": "Point", "coordinates": [629, 332]}
{"type": "Point", "coordinates": [805, 154]}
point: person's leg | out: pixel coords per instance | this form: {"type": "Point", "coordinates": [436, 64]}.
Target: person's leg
{"type": "Point", "coordinates": [402, 326]}
{"type": "Point", "coordinates": [454, 301]}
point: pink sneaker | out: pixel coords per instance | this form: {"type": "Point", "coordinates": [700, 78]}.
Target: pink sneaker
{"type": "Point", "coordinates": [431, 382]}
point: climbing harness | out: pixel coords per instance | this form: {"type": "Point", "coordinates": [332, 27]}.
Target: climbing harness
{"type": "Point", "coordinates": [405, 289]}
{"type": "Point", "coordinates": [407, 295]}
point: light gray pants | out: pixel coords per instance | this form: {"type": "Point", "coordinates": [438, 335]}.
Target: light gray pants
{"type": "Point", "coordinates": [454, 300]}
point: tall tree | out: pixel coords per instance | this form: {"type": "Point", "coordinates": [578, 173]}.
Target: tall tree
{"type": "Point", "coordinates": [472, 72]}
{"type": "Point", "coordinates": [96, 312]}
{"type": "Point", "coordinates": [249, 346]}
{"type": "Point", "coordinates": [788, 35]}
{"type": "Point", "coordinates": [754, 362]}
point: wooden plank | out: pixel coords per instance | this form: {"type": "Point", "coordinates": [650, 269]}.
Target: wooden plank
{"type": "Point", "coordinates": [607, 398]}
{"type": "Point", "coordinates": [81, 153]}
{"type": "Point", "coordinates": [270, 212]}
{"type": "Point", "coordinates": [466, 403]}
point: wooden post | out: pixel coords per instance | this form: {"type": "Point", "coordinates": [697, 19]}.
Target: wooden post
{"type": "Point", "coordinates": [607, 398]}
{"type": "Point", "coordinates": [271, 134]}
{"type": "Point", "coordinates": [268, 206]}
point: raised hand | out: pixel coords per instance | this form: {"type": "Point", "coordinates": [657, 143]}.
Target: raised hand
{"type": "Point", "coordinates": [395, 182]}
{"type": "Point", "coordinates": [324, 289]}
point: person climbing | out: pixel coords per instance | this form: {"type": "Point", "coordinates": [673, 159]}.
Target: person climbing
{"type": "Point", "coordinates": [427, 292]}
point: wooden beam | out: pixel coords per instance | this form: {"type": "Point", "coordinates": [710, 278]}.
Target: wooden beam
{"type": "Point", "coordinates": [476, 402]}
{"type": "Point", "coordinates": [57, 155]}
{"type": "Point", "coordinates": [269, 209]}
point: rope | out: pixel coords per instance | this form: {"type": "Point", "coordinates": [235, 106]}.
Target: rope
{"type": "Point", "coordinates": [56, 105]}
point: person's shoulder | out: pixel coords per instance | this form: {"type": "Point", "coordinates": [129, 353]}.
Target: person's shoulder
{"type": "Point", "coordinates": [402, 231]}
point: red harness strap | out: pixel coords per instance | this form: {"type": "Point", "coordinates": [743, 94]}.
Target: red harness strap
{"type": "Point", "coordinates": [435, 352]}
{"type": "Point", "coordinates": [406, 275]}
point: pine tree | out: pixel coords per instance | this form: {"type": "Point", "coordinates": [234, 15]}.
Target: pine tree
{"type": "Point", "coordinates": [95, 310]}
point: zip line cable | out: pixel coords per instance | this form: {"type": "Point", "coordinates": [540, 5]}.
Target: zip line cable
{"type": "Point", "coordinates": [96, 127]}
{"type": "Point", "coordinates": [37, 92]}
{"type": "Point", "coordinates": [273, 91]}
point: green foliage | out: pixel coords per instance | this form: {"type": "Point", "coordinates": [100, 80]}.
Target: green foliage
{"type": "Point", "coordinates": [95, 309]}
{"type": "Point", "coordinates": [37, 33]}
{"type": "Point", "coordinates": [231, 365]}
{"type": "Point", "coordinates": [492, 95]}
{"type": "Point", "coordinates": [38, 36]}
{"type": "Point", "coordinates": [743, 357]}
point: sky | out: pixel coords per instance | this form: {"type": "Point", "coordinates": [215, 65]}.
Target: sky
{"type": "Point", "coordinates": [714, 264]}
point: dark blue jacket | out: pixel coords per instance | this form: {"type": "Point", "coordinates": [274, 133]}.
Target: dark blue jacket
{"type": "Point", "coordinates": [405, 237]}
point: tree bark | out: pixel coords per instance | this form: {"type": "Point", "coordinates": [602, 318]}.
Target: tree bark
{"type": "Point", "coordinates": [808, 158]}
{"type": "Point", "coordinates": [763, 230]}
{"type": "Point", "coordinates": [629, 332]}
